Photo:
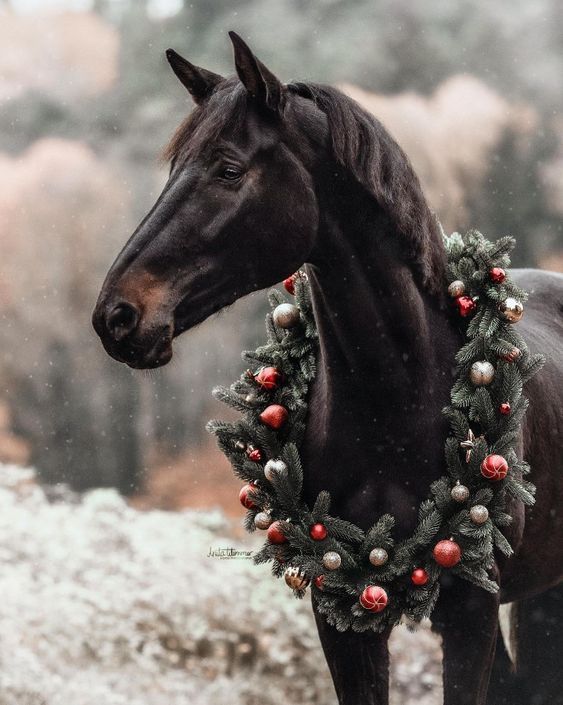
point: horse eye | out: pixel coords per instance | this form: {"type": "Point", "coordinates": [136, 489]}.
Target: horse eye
{"type": "Point", "coordinates": [231, 173]}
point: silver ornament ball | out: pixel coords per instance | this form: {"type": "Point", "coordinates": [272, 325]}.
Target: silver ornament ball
{"type": "Point", "coordinates": [378, 556]}
{"type": "Point", "coordinates": [456, 288]}
{"type": "Point", "coordinates": [262, 520]}
{"type": "Point", "coordinates": [460, 493]}
{"type": "Point", "coordinates": [286, 315]}
{"type": "Point", "coordinates": [479, 514]}
{"type": "Point", "coordinates": [481, 373]}
{"type": "Point", "coordinates": [274, 469]}
{"type": "Point", "coordinates": [332, 560]}
{"type": "Point", "coordinates": [296, 579]}
{"type": "Point", "coordinates": [511, 310]}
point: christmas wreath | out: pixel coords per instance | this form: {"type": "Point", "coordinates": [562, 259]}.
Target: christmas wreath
{"type": "Point", "coordinates": [366, 580]}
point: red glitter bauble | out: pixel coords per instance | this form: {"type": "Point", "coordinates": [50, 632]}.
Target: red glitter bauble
{"type": "Point", "coordinates": [289, 284]}
{"type": "Point", "coordinates": [374, 598]}
{"type": "Point", "coordinates": [245, 496]}
{"type": "Point", "coordinates": [419, 576]}
{"type": "Point", "coordinates": [318, 532]}
{"type": "Point", "coordinates": [319, 581]}
{"type": "Point", "coordinates": [504, 408]}
{"type": "Point", "coordinates": [497, 275]}
{"type": "Point", "coordinates": [269, 378]}
{"type": "Point", "coordinates": [274, 416]}
{"type": "Point", "coordinates": [494, 467]}
{"type": "Point", "coordinates": [275, 533]}
{"type": "Point", "coordinates": [447, 553]}
{"type": "Point", "coordinates": [255, 455]}
{"type": "Point", "coordinates": [465, 306]}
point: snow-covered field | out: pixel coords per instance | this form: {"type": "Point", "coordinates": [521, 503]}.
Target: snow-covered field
{"type": "Point", "coordinates": [102, 603]}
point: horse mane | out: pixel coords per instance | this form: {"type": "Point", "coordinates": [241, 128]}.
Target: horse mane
{"type": "Point", "coordinates": [367, 151]}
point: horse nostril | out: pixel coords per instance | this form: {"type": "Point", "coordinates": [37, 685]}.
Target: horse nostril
{"type": "Point", "coordinates": [122, 321]}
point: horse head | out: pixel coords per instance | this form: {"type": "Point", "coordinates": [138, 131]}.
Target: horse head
{"type": "Point", "coordinates": [238, 213]}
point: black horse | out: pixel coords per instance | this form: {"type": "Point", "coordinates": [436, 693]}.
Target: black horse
{"type": "Point", "coordinates": [266, 177]}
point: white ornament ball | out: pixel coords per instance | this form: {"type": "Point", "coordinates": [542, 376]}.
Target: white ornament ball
{"type": "Point", "coordinates": [262, 520]}
{"type": "Point", "coordinates": [286, 315]}
{"type": "Point", "coordinates": [332, 560]}
{"type": "Point", "coordinates": [456, 288]}
{"type": "Point", "coordinates": [481, 373]}
{"type": "Point", "coordinates": [479, 514]}
{"type": "Point", "coordinates": [511, 310]}
{"type": "Point", "coordinates": [460, 493]}
{"type": "Point", "coordinates": [273, 469]}
{"type": "Point", "coordinates": [378, 556]}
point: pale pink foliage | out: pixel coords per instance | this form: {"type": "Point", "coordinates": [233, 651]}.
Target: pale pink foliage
{"type": "Point", "coordinates": [65, 55]}
{"type": "Point", "coordinates": [61, 208]}
{"type": "Point", "coordinates": [450, 137]}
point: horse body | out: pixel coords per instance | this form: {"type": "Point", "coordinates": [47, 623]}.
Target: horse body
{"type": "Point", "coordinates": [375, 438]}
{"type": "Point", "coordinates": [538, 560]}
{"type": "Point", "coordinates": [266, 177]}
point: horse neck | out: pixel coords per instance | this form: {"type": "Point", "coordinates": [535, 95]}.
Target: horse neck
{"type": "Point", "coordinates": [375, 433]}
{"type": "Point", "coordinates": [380, 331]}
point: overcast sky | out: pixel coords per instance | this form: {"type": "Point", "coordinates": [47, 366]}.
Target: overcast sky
{"type": "Point", "coordinates": [158, 8]}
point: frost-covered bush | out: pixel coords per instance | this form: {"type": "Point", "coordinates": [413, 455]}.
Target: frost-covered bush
{"type": "Point", "coordinates": [101, 603]}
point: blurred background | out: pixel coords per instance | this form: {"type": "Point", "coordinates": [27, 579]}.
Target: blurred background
{"type": "Point", "coordinates": [471, 90]}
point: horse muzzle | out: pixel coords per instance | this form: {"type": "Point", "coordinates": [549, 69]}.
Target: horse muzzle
{"type": "Point", "coordinates": [128, 338]}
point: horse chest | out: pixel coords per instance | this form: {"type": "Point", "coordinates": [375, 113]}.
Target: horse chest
{"type": "Point", "coordinates": [373, 460]}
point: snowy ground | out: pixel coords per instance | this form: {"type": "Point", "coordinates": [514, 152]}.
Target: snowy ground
{"type": "Point", "coordinates": [101, 603]}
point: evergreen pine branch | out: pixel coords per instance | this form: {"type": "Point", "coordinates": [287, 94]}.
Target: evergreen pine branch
{"type": "Point", "coordinates": [501, 543]}
{"type": "Point", "coordinates": [321, 507]}
{"type": "Point", "coordinates": [343, 530]}
{"type": "Point", "coordinates": [532, 367]}
{"type": "Point", "coordinates": [458, 422]}
{"type": "Point", "coordinates": [379, 536]}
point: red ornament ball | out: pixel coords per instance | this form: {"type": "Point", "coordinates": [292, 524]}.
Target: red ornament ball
{"type": "Point", "coordinates": [319, 581]}
{"type": "Point", "coordinates": [447, 553]}
{"type": "Point", "coordinates": [275, 533]}
{"type": "Point", "coordinates": [419, 576]}
{"type": "Point", "coordinates": [374, 598]}
{"type": "Point", "coordinates": [494, 467]}
{"type": "Point", "coordinates": [497, 275]}
{"type": "Point", "coordinates": [255, 455]}
{"type": "Point", "coordinates": [274, 416]}
{"type": "Point", "coordinates": [245, 496]}
{"type": "Point", "coordinates": [465, 306]}
{"type": "Point", "coordinates": [289, 284]}
{"type": "Point", "coordinates": [269, 378]}
{"type": "Point", "coordinates": [511, 356]}
{"type": "Point", "coordinates": [504, 408]}
{"type": "Point", "coordinates": [318, 532]}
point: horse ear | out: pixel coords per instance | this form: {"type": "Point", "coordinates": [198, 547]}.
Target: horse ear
{"type": "Point", "coordinates": [258, 80]}
{"type": "Point", "coordinates": [198, 81]}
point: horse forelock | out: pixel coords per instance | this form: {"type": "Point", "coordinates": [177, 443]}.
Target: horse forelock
{"type": "Point", "coordinates": [226, 109]}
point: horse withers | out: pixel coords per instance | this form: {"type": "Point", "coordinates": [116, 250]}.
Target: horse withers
{"type": "Point", "coordinates": [266, 178]}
